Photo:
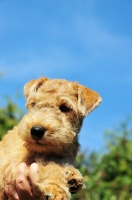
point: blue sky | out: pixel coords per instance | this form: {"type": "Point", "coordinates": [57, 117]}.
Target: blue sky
{"type": "Point", "coordinates": [88, 41]}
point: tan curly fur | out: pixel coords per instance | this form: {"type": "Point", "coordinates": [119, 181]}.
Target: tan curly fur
{"type": "Point", "coordinates": [57, 108]}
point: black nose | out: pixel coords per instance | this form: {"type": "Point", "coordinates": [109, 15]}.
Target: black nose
{"type": "Point", "coordinates": [37, 132]}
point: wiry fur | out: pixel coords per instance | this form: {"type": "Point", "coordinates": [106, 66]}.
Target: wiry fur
{"type": "Point", "coordinates": [58, 106]}
{"type": "Point", "coordinates": [69, 180]}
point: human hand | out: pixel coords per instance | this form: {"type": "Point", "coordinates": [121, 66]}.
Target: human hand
{"type": "Point", "coordinates": [23, 189]}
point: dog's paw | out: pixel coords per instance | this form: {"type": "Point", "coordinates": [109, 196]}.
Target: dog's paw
{"type": "Point", "coordinates": [74, 179]}
{"type": "Point", "coordinates": [53, 191]}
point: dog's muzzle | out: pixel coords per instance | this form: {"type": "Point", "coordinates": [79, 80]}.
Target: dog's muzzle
{"type": "Point", "coordinates": [37, 132]}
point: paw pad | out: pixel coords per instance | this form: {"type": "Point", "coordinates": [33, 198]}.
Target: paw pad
{"type": "Point", "coordinates": [73, 186]}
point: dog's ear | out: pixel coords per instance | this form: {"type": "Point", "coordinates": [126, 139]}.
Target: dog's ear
{"type": "Point", "coordinates": [33, 86]}
{"type": "Point", "coordinates": [88, 100]}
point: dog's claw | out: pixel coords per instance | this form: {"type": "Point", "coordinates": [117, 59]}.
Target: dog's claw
{"type": "Point", "coordinates": [72, 182]}
{"type": "Point", "coordinates": [47, 197]}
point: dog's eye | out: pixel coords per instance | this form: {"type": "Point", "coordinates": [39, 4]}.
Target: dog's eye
{"type": "Point", "coordinates": [33, 104]}
{"type": "Point", "coordinates": [64, 108]}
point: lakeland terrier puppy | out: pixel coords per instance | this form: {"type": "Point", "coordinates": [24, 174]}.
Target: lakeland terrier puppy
{"type": "Point", "coordinates": [48, 134]}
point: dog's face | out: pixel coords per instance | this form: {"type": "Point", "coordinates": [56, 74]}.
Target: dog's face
{"type": "Point", "coordinates": [56, 111]}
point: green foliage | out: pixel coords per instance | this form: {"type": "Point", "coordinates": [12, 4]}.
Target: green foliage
{"type": "Point", "coordinates": [9, 116]}
{"type": "Point", "coordinates": [109, 176]}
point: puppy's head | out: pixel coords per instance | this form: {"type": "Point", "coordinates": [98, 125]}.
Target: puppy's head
{"type": "Point", "coordinates": [56, 111]}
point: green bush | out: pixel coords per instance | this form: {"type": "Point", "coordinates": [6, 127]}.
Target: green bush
{"type": "Point", "coordinates": [9, 116]}
{"type": "Point", "coordinates": [109, 176]}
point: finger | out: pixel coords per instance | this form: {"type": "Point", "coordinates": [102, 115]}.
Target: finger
{"type": "Point", "coordinates": [22, 184]}
{"type": "Point", "coordinates": [9, 185]}
{"type": "Point", "coordinates": [33, 173]}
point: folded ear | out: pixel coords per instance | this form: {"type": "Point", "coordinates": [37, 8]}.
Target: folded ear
{"type": "Point", "coordinates": [88, 100]}
{"type": "Point", "coordinates": [33, 86]}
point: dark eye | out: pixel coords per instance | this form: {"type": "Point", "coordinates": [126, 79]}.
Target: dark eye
{"type": "Point", "coordinates": [64, 108]}
{"type": "Point", "coordinates": [33, 104]}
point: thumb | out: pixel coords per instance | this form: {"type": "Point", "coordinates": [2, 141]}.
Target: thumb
{"type": "Point", "coordinates": [33, 174]}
